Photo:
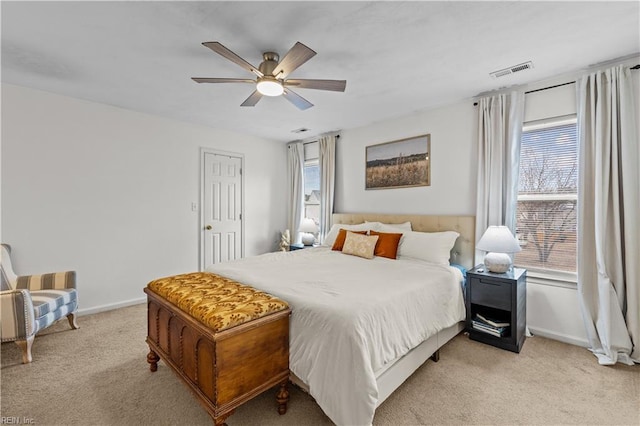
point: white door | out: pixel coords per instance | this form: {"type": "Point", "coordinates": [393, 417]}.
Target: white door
{"type": "Point", "coordinates": [222, 208]}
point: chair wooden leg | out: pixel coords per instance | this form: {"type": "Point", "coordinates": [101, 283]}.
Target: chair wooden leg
{"type": "Point", "coordinates": [25, 347]}
{"type": "Point", "coordinates": [72, 321]}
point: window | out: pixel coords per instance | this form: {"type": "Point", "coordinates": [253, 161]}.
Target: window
{"type": "Point", "coordinates": [546, 224]}
{"type": "Point", "coordinates": [312, 190]}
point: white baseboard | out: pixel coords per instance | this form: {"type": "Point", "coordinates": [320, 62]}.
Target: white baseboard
{"type": "Point", "coordinates": [111, 306]}
{"type": "Point", "coordinates": [572, 340]}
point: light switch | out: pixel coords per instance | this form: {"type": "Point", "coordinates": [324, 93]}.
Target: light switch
{"type": "Point", "coordinates": [194, 207]}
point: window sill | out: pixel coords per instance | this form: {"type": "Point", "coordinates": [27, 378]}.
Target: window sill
{"type": "Point", "coordinates": [554, 279]}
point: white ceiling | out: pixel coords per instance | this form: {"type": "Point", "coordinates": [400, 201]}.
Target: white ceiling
{"type": "Point", "coordinates": [397, 57]}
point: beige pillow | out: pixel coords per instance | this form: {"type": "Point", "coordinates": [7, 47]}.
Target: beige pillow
{"type": "Point", "coordinates": [394, 227]}
{"type": "Point", "coordinates": [360, 245]}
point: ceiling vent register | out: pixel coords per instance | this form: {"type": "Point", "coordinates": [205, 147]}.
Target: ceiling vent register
{"type": "Point", "coordinates": [511, 70]}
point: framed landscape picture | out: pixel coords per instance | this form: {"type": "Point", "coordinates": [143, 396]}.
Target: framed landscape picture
{"type": "Point", "coordinates": [399, 164]}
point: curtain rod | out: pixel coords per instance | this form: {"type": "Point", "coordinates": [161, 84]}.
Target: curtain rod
{"type": "Point", "coordinates": [550, 87]}
{"type": "Point", "coordinates": [637, 67]}
{"type": "Point", "coordinates": [544, 88]}
{"type": "Point", "coordinates": [307, 143]}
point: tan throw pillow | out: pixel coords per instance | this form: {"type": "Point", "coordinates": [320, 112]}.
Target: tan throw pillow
{"type": "Point", "coordinates": [339, 243]}
{"type": "Point", "coordinates": [360, 245]}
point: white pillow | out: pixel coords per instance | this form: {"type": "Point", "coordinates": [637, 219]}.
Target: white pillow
{"type": "Point", "coordinates": [434, 247]}
{"type": "Point", "coordinates": [395, 227]}
{"type": "Point", "coordinates": [333, 233]}
{"type": "Point", "coordinates": [402, 226]}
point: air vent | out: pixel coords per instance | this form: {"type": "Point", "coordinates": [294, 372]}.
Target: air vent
{"type": "Point", "coordinates": [300, 130]}
{"type": "Point", "coordinates": [511, 70]}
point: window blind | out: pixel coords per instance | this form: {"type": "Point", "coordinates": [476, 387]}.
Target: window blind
{"type": "Point", "coordinates": [546, 224]}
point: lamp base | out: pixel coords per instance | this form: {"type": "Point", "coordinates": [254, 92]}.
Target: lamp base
{"type": "Point", "coordinates": [308, 239]}
{"type": "Point", "coordinates": [497, 262]}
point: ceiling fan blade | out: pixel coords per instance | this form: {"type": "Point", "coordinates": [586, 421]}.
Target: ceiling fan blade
{"type": "Point", "coordinates": [335, 85]}
{"type": "Point", "coordinates": [298, 55]}
{"type": "Point", "coordinates": [221, 80]}
{"type": "Point", "coordinates": [253, 99]}
{"type": "Point", "coordinates": [223, 51]}
{"type": "Point", "coordinates": [296, 99]}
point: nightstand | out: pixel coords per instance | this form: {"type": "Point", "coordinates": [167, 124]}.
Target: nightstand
{"type": "Point", "coordinates": [497, 307]}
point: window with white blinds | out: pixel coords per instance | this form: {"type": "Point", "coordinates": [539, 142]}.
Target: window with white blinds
{"type": "Point", "coordinates": [312, 191]}
{"type": "Point", "coordinates": [546, 224]}
{"type": "Point", "coordinates": [311, 180]}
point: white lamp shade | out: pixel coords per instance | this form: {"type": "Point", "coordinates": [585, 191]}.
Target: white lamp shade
{"type": "Point", "coordinates": [308, 225]}
{"type": "Point", "coordinates": [498, 239]}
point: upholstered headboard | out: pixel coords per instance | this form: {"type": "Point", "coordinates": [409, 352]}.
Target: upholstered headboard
{"type": "Point", "coordinates": [464, 249]}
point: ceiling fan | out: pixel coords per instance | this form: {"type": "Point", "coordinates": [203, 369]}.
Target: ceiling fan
{"type": "Point", "coordinates": [272, 75]}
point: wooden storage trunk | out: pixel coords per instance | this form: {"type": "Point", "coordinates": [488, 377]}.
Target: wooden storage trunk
{"type": "Point", "coordinates": [223, 368]}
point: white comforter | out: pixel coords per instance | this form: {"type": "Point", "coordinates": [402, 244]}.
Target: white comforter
{"type": "Point", "coordinates": [351, 316]}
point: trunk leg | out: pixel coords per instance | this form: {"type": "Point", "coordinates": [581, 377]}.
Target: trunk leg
{"type": "Point", "coordinates": [282, 397]}
{"type": "Point", "coordinates": [221, 421]}
{"type": "Point", "coordinates": [152, 359]}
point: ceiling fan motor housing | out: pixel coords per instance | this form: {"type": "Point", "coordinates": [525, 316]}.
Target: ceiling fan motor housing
{"type": "Point", "coordinates": [269, 85]}
{"type": "Point", "coordinates": [269, 63]}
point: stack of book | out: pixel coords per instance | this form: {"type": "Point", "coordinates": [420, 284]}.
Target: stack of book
{"type": "Point", "coordinates": [489, 325]}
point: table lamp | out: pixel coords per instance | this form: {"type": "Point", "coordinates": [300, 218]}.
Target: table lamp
{"type": "Point", "coordinates": [308, 228]}
{"type": "Point", "coordinates": [498, 241]}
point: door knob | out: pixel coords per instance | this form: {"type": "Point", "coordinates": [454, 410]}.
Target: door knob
{"type": "Point", "coordinates": [208, 228]}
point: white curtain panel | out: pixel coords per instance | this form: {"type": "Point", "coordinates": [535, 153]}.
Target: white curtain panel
{"type": "Point", "coordinates": [608, 211]}
{"type": "Point", "coordinates": [327, 162]}
{"type": "Point", "coordinates": [500, 120]}
{"type": "Point", "coordinates": [296, 189]}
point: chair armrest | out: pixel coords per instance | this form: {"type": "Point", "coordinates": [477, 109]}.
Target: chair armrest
{"type": "Point", "coordinates": [18, 318]}
{"type": "Point", "coordinates": [55, 280]}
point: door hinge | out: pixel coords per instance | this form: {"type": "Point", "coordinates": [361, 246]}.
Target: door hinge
{"type": "Point", "coordinates": [240, 216]}
{"type": "Point", "coordinates": [240, 172]}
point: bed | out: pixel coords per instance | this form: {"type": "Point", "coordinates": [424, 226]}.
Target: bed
{"type": "Point", "coordinates": [361, 327]}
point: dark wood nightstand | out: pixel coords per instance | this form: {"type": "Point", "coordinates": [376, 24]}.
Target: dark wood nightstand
{"type": "Point", "coordinates": [501, 300]}
{"type": "Point", "coordinates": [293, 247]}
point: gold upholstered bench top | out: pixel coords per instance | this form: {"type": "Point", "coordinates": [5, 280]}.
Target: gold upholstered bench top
{"type": "Point", "coordinates": [217, 302]}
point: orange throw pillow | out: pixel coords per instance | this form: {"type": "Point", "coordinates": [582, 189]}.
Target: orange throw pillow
{"type": "Point", "coordinates": [342, 235]}
{"type": "Point", "coordinates": [387, 245]}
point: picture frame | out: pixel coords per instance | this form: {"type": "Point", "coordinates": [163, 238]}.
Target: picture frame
{"type": "Point", "coordinates": [402, 163]}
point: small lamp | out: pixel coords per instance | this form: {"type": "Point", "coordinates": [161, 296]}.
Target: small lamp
{"type": "Point", "coordinates": [308, 228]}
{"type": "Point", "coordinates": [498, 241]}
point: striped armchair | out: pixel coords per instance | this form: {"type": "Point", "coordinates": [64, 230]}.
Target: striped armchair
{"type": "Point", "coordinates": [31, 303]}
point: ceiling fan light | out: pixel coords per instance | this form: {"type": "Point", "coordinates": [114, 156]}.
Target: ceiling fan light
{"type": "Point", "coordinates": [270, 87]}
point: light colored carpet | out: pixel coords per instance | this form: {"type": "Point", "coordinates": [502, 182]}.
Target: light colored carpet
{"type": "Point", "coordinates": [98, 375]}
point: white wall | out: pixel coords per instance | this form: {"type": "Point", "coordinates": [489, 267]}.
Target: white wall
{"type": "Point", "coordinates": [453, 164]}
{"type": "Point", "coordinates": [108, 192]}
{"type": "Point", "coordinates": [553, 311]}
